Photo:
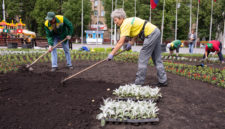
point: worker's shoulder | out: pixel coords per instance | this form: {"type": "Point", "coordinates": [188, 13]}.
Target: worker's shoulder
{"type": "Point", "coordinates": [46, 22]}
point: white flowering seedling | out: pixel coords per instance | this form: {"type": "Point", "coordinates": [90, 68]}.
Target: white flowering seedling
{"type": "Point", "coordinates": [127, 110]}
{"type": "Point", "coordinates": [138, 92]}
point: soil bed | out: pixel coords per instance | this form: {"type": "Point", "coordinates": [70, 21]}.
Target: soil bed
{"type": "Point", "coordinates": [37, 100]}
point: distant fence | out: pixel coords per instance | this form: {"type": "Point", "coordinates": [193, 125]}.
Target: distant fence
{"type": "Point", "coordinates": [39, 42]}
{"type": "Point", "coordinates": [6, 41]}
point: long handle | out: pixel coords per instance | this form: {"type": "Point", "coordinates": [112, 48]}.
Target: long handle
{"type": "Point", "coordinates": [89, 67]}
{"type": "Point", "coordinates": [46, 53]}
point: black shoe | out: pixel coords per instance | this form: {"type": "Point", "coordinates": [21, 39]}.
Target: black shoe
{"type": "Point", "coordinates": [70, 67]}
{"type": "Point", "coordinates": [164, 84]}
{"type": "Point", "coordinates": [54, 69]}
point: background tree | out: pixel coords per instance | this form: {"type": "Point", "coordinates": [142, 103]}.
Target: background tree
{"type": "Point", "coordinates": [72, 10]}
{"type": "Point", "coordinates": [33, 13]}
{"type": "Point", "coordinates": [41, 8]}
{"type": "Point", "coordinates": [170, 10]}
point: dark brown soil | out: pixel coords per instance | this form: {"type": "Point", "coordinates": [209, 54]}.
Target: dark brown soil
{"type": "Point", "coordinates": [37, 100]}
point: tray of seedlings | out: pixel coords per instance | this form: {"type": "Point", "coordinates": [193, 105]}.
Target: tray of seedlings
{"type": "Point", "coordinates": [135, 112]}
{"type": "Point", "coordinates": [137, 93]}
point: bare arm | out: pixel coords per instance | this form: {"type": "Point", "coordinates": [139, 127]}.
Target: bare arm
{"type": "Point", "coordinates": [206, 53]}
{"type": "Point", "coordinates": [118, 45]}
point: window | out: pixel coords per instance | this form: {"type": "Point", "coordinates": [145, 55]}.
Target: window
{"type": "Point", "coordinates": [96, 3]}
{"type": "Point", "coordinates": [99, 22]}
{"type": "Point", "coordinates": [96, 13]}
{"type": "Point", "coordinates": [90, 36]}
{"type": "Point", "coordinates": [103, 13]}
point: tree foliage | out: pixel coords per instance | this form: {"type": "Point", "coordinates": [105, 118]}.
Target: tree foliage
{"type": "Point", "coordinates": [143, 11]}
{"type": "Point", "coordinates": [41, 8]}
{"type": "Point", "coordinates": [72, 10]}
{"type": "Point", "coordinates": [33, 12]}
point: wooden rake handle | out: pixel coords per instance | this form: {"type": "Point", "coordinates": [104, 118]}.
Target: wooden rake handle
{"type": "Point", "coordinates": [89, 67]}
{"type": "Point", "coordinates": [46, 53]}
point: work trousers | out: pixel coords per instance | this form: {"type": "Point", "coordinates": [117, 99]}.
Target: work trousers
{"type": "Point", "coordinates": [151, 48]}
{"type": "Point", "coordinates": [66, 49]}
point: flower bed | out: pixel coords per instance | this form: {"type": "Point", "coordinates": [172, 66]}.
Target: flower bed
{"type": "Point", "coordinates": [9, 61]}
{"type": "Point", "coordinates": [205, 74]}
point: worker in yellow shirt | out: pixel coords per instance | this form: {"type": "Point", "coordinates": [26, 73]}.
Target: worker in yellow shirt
{"type": "Point", "coordinates": [135, 27]}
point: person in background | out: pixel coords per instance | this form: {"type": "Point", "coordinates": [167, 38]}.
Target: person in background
{"type": "Point", "coordinates": [192, 40]}
{"type": "Point", "coordinates": [135, 27]}
{"type": "Point", "coordinates": [214, 46]}
{"type": "Point", "coordinates": [57, 28]}
{"type": "Point", "coordinates": [176, 44]}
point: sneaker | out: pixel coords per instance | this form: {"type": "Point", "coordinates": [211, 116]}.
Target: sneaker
{"type": "Point", "coordinates": [53, 69]}
{"type": "Point", "coordinates": [70, 67]}
{"type": "Point", "coordinates": [161, 84]}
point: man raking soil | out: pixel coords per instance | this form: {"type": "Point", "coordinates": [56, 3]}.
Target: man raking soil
{"type": "Point", "coordinates": [29, 68]}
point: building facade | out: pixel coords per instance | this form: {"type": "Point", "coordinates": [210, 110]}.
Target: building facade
{"type": "Point", "coordinates": [98, 18]}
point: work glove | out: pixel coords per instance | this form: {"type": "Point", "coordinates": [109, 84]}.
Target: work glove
{"type": "Point", "coordinates": [201, 65]}
{"type": "Point", "coordinates": [110, 57]}
{"type": "Point", "coordinates": [68, 37]}
{"type": "Point", "coordinates": [50, 49]}
{"type": "Point", "coordinates": [127, 46]}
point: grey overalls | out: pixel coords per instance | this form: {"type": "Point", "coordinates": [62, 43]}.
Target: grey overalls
{"type": "Point", "coordinates": [151, 48]}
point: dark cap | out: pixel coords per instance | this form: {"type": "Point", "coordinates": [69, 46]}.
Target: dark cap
{"type": "Point", "coordinates": [50, 16]}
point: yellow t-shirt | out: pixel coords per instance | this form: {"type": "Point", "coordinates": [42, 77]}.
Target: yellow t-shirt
{"type": "Point", "coordinates": [127, 29]}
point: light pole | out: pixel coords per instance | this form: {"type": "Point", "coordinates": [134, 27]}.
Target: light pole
{"type": "Point", "coordinates": [150, 11]}
{"type": "Point", "coordinates": [162, 26]}
{"type": "Point", "coordinates": [176, 21]}
{"type": "Point", "coordinates": [3, 9]}
{"type": "Point", "coordinates": [115, 35]}
{"type": "Point", "coordinates": [210, 30]}
{"type": "Point", "coordinates": [224, 29]}
{"type": "Point", "coordinates": [111, 24]}
{"type": "Point", "coordinates": [135, 7]}
{"type": "Point", "coordinates": [197, 26]}
{"type": "Point", "coordinates": [82, 22]}
{"type": "Point", "coordinates": [97, 21]}
{"type": "Point", "coordinates": [190, 16]}
{"type": "Point", "coordinates": [123, 4]}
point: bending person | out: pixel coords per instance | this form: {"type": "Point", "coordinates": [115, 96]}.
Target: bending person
{"type": "Point", "coordinates": [58, 27]}
{"type": "Point", "coordinates": [176, 44]}
{"type": "Point", "coordinates": [135, 27]}
{"type": "Point", "coordinates": [214, 46]}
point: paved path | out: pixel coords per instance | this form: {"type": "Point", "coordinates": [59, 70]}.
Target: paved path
{"type": "Point", "coordinates": [134, 48]}
{"type": "Point", "coordinates": [138, 48]}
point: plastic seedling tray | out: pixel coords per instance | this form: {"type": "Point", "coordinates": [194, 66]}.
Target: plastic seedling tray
{"type": "Point", "coordinates": [133, 121]}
